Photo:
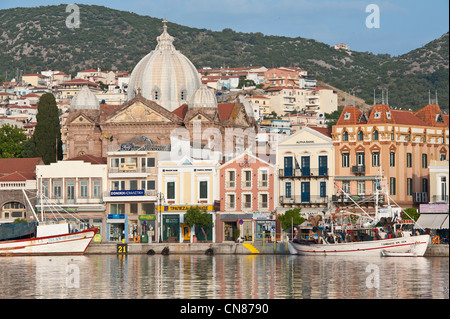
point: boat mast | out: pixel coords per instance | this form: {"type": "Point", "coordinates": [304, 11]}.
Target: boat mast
{"type": "Point", "coordinates": [31, 206]}
{"type": "Point", "coordinates": [41, 197]}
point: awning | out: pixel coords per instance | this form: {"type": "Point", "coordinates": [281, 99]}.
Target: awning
{"type": "Point", "coordinates": [445, 224]}
{"type": "Point", "coordinates": [432, 221]}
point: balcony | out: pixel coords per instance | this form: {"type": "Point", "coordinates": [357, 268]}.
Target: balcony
{"type": "Point", "coordinates": [311, 200]}
{"type": "Point", "coordinates": [440, 199]}
{"type": "Point", "coordinates": [360, 199]}
{"type": "Point", "coordinates": [420, 198]}
{"type": "Point", "coordinates": [360, 169]}
{"type": "Point", "coordinates": [303, 172]}
{"type": "Point", "coordinates": [128, 170]}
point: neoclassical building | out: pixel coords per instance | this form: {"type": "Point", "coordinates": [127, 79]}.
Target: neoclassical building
{"type": "Point", "coordinates": [398, 144]}
{"type": "Point", "coordinates": [164, 94]}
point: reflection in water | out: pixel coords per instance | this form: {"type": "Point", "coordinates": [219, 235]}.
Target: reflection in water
{"type": "Point", "coordinates": [223, 277]}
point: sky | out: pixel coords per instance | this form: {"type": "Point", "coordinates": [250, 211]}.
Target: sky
{"type": "Point", "coordinates": [394, 26]}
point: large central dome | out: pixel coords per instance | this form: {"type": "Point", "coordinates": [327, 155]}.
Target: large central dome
{"type": "Point", "coordinates": [164, 75]}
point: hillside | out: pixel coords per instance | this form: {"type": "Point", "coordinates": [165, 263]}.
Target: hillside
{"type": "Point", "coordinates": [35, 39]}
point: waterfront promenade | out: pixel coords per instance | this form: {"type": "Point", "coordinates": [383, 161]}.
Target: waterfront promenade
{"type": "Point", "coordinates": [221, 248]}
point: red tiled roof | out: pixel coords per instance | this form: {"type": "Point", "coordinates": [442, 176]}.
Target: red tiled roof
{"type": "Point", "coordinates": [79, 81]}
{"type": "Point", "coordinates": [406, 118]}
{"type": "Point", "coordinates": [354, 112]}
{"type": "Point", "coordinates": [181, 111]}
{"type": "Point", "coordinates": [18, 177]}
{"type": "Point", "coordinates": [428, 114]}
{"type": "Point", "coordinates": [22, 165]}
{"type": "Point", "coordinates": [323, 130]}
{"type": "Point", "coordinates": [225, 110]}
{"type": "Point", "coordinates": [88, 70]}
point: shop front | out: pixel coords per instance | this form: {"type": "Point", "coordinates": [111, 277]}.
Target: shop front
{"type": "Point", "coordinates": [232, 226]}
{"type": "Point", "coordinates": [147, 228]}
{"type": "Point", "coordinates": [117, 228]}
{"type": "Point", "coordinates": [265, 227]}
{"type": "Point", "coordinates": [173, 229]}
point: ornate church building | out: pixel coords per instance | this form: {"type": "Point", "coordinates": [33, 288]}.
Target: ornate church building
{"type": "Point", "coordinates": [164, 93]}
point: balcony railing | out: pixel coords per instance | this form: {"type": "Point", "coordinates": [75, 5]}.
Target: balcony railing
{"type": "Point", "coordinates": [360, 169]}
{"type": "Point", "coordinates": [304, 200]}
{"type": "Point", "coordinates": [343, 199]}
{"type": "Point", "coordinates": [304, 172]}
{"type": "Point", "coordinates": [440, 199]}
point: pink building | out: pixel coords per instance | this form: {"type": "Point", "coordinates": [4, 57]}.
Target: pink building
{"type": "Point", "coordinates": [247, 199]}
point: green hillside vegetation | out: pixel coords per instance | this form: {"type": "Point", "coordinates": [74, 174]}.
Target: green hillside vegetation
{"type": "Point", "coordinates": [36, 39]}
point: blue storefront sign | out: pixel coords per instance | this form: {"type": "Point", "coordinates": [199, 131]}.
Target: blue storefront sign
{"type": "Point", "coordinates": [136, 192]}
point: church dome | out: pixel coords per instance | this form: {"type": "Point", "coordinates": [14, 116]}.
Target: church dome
{"type": "Point", "coordinates": [203, 97]}
{"type": "Point", "coordinates": [164, 76]}
{"type": "Point", "coordinates": [84, 100]}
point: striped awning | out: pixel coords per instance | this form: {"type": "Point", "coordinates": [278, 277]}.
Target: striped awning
{"type": "Point", "coordinates": [432, 221]}
{"type": "Point", "coordinates": [445, 224]}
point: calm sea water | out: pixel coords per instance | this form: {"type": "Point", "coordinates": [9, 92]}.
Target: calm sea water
{"type": "Point", "coordinates": [222, 277]}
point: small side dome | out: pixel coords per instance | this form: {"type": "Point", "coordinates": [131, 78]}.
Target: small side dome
{"type": "Point", "coordinates": [85, 100]}
{"type": "Point", "coordinates": [203, 97]}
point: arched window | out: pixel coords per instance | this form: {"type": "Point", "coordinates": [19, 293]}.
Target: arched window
{"type": "Point", "coordinates": [375, 135]}
{"type": "Point", "coordinates": [360, 136]}
{"type": "Point", "coordinates": [345, 136]}
{"type": "Point", "coordinates": [12, 210]}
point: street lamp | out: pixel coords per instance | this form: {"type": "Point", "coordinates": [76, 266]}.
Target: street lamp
{"type": "Point", "coordinates": [161, 199]}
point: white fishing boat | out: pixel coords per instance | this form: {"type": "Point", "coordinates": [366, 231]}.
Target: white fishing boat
{"type": "Point", "coordinates": [50, 238]}
{"type": "Point", "coordinates": [401, 244]}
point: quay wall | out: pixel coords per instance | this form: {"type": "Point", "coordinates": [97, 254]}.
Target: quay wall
{"type": "Point", "coordinates": [222, 248]}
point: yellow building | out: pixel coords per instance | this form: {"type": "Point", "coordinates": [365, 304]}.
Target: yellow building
{"type": "Point", "coordinates": [185, 183]}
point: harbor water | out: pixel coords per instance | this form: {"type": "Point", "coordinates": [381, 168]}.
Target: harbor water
{"type": "Point", "coordinates": [223, 277]}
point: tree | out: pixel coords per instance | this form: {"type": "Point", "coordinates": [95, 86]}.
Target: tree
{"type": "Point", "coordinates": [195, 217]}
{"type": "Point", "coordinates": [290, 217]}
{"type": "Point", "coordinates": [412, 212]}
{"type": "Point", "coordinates": [46, 141]}
{"type": "Point", "coordinates": [12, 141]}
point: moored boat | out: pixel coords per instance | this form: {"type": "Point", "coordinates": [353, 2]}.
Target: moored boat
{"type": "Point", "coordinates": [49, 238]}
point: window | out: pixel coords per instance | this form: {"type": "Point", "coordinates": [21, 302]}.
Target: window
{"type": "Point", "coordinates": [203, 190]}
{"type": "Point", "coordinates": [375, 135]}
{"type": "Point", "coordinates": [345, 160]}
{"type": "Point", "coordinates": [231, 179]}
{"type": "Point", "coordinates": [97, 189]}
{"type": "Point", "coordinates": [264, 178]}
{"type": "Point", "coordinates": [392, 135]}
{"type": "Point", "coordinates": [424, 185]}
{"type": "Point", "coordinates": [360, 158]}
{"type": "Point", "coordinates": [443, 188]}
{"type": "Point", "coordinates": [133, 184]}
{"type": "Point", "coordinates": [263, 201]}
{"type": "Point", "coordinates": [133, 208]}
{"type": "Point", "coordinates": [392, 182]}
{"type": "Point", "coordinates": [377, 115]}
{"type": "Point", "coordinates": [230, 201]}
{"type": "Point", "coordinates": [147, 208]}
{"type": "Point", "coordinates": [170, 190]}
{"type": "Point", "coordinates": [148, 162]}
{"type": "Point", "coordinates": [375, 159]}
{"type": "Point", "coordinates": [361, 187]}
{"type": "Point", "coordinates": [288, 190]}
{"type": "Point", "coordinates": [246, 201]}
{"type": "Point", "coordinates": [424, 161]}
{"type": "Point", "coordinates": [360, 136]}
{"type": "Point", "coordinates": [117, 185]}
{"type": "Point", "coordinates": [388, 115]}
{"type": "Point", "coordinates": [84, 188]}
{"type": "Point", "coordinates": [392, 159]}
{"type": "Point", "coordinates": [70, 190]}
{"type": "Point", "coordinates": [323, 189]}
{"type": "Point", "coordinates": [247, 179]}
{"type": "Point", "coordinates": [57, 189]}
{"type": "Point", "coordinates": [117, 209]}
{"type": "Point", "coordinates": [442, 157]}
{"type": "Point", "coordinates": [45, 188]}
{"type": "Point", "coordinates": [346, 116]}
{"type": "Point", "coordinates": [148, 185]}
{"type": "Point", "coordinates": [346, 186]}
{"type": "Point", "coordinates": [408, 159]}
{"type": "Point", "coordinates": [409, 186]}
{"type": "Point", "coordinates": [345, 136]}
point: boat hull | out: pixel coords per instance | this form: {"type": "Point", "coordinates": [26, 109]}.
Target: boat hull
{"type": "Point", "coordinates": [364, 248]}
{"type": "Point", "coordinates": [65, 244]}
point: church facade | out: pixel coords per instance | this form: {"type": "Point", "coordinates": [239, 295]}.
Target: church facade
{"type": "Point", "coordinates": [164, 94]}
